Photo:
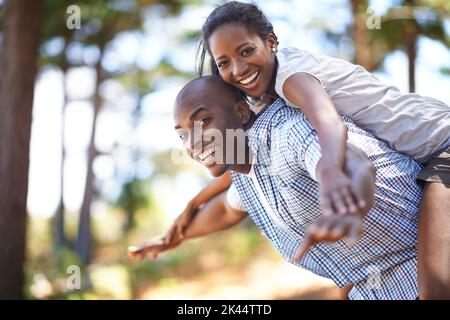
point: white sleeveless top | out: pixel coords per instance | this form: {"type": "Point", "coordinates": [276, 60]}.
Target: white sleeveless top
{"type": "Point", "coordinates": [415, 125]}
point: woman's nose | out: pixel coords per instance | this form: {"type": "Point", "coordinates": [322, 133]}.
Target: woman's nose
{"type": "Point", "coordinates": [239, 68]}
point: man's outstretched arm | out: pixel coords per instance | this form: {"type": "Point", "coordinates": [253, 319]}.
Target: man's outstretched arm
{"type": "Point", "coordinates": [216, 215]}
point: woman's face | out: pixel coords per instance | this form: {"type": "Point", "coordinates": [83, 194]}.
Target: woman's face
{"type": "Point", "coordinates": [244, 60]}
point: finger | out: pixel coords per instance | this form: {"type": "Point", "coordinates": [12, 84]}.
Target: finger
{"type": "Point", "coordinates": [355, 230]}
{"type": "Point", "coordinates": [349, 200]}
{"type": "Point", "coordinates": [315, 229]}
{"type": "Point", "coordinates": [338, 203]}
{"type": "Point", "coordinates": [323, 232]}
{"type": "Point", "coordinates": [308, 242]}
{"type": "Point", "coordinates": [132, 251]}
{"type": "Point", "coordinates": [172, 233]}
{"type": "Point", "coordinates": [185, 219]}
{"type": "Point", "coordinates": [180, 229]}
{"type": "Point", "coordinates": [142, 254]}
{"type": "Point", "coordinates": [325, 203]}
{"type": "Point", "coordinates": [135, 250]}
{"type": "Point", "coordinates": [169, 237]}
{"type": "Point", "coordinates": [361, 203]}
{"type": "Point", "coordinates": [339, 231]}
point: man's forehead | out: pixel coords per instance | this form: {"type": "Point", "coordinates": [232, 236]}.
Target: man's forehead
{"type": "Point", "coordinates": [193, 102]}
{"type": "Point", "coordinates": [203, 89]}
{"type": "Point", "coordinates": [209, 92]}
{"type": "Point", "coordinates": [187, 108]}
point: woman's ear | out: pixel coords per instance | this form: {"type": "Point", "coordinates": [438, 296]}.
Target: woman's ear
{"type": "Point", "coordinates": [272, 41]}
{"type": "Point", "coordinates": [243, 111]}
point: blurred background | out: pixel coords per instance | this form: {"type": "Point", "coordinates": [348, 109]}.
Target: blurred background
{"type": "Point", "coordinates": [106, 168]}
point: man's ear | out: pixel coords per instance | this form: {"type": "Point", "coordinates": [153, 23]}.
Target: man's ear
{"type": "Point", "coordinates": [242, 109]}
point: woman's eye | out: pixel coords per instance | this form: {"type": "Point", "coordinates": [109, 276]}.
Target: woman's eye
{"type": "Point", "coordinates": [220, 65]}
{"type": "Point", "coordinates": [247, 51]}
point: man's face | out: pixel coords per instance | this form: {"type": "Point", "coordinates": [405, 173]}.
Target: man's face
{"type": "Point", "coordinates": [203, 113]}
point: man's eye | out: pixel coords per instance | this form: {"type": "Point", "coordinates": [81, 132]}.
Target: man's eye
{"type": "Point", "coordinates": [204, 121]}
{"type": "Point", "coordinates": [247, 51]}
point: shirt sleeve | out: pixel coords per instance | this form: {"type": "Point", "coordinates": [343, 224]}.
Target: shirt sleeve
{"type": "Point", "coordinates": [291, 61]}
{"type": "Point", "coordinates": [312, 154]}
{"type": "Point", "coordinates": [307, 151]}
{"type": "Point", "coordinates": [234, 200]}
{"type": "Point", "coordinates": [304, 145]}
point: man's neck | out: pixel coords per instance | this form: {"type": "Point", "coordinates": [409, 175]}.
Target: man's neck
{"type": "Point", "coordinates": [250, 122]}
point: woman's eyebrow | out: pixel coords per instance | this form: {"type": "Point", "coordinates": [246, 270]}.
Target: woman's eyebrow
{"type": "Point", "coordinates": [237, 49]}
{"type": "Point", "coordinates": [241, 45]}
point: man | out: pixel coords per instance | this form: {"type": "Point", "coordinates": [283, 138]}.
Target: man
{"type": "Point", "coordinates": [275, 180]}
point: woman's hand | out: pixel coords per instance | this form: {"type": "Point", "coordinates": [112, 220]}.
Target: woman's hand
{"type": "Point", "coordinates": [337, 194]}
{"type": "Point", "coordinates": [360, 174]}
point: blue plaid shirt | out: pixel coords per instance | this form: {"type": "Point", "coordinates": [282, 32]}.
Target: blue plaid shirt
{"type": "Point", "coordinates": [382, 265]}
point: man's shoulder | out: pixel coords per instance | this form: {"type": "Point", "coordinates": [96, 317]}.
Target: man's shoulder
{"type": "Point", "coordinates": [279, 128]}
{"type": "Point", "coordinates": [278, 114]}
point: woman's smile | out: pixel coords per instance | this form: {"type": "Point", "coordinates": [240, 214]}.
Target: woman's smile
{"type": "Point", "coordinates": [251, 81]}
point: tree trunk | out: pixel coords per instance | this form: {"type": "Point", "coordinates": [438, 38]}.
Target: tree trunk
{"type": "Point", "coordinates": [22, 25]}
{"type": "Point", "coordinates": [83, 244]}
{"type": "Point", "coordinates": [359, 33]}
{"type": "Point", "coordinates": [60, 239]}
{"type": "Point", "coordinates": [411, 52]}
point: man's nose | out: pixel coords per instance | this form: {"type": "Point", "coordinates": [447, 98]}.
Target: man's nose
{"type": "Point", "coordinates": [193, 142]}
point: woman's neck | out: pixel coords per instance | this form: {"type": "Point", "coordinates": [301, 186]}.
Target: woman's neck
{"type": "Point", "coordinates": [270, 92]}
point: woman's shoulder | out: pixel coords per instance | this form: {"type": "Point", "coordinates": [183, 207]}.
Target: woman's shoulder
{"type": "Point", "coordinates": [290, 56]}
{"type": "Point", "coordinates": [293, 60]}
{"type": "Point", "coordinates": [289, 52]}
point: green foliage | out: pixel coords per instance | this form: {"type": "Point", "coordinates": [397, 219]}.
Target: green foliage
{"type": "Point", "coordinates": [101, 22]}
{"type": "Point", "coordinates": [445, 70]}
{"type": "Point", "coordinates": [401, 22]}
{"type": "Point", "coordinates": [134, 196]}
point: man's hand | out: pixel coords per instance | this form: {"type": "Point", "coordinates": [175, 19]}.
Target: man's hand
{"type": "Point", "coordinates": [180, 224]}
{"type": "Point", "coordinates": [329, 229]}
{"type": "Point", "coordinates": [337, 194]}
{"type": "Point", "coordinates": [154, 246]}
